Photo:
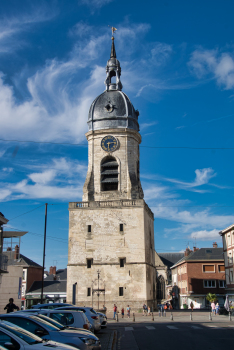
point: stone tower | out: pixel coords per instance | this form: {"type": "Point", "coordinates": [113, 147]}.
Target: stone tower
{"type": "Point", "coordinates": [112, 229]}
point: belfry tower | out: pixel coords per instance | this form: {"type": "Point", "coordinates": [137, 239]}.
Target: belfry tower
{"type": "Point", "coordinates": [112, 229]}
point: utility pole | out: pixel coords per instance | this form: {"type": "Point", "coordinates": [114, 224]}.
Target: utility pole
{"type": "Point", "coordinates": [42, 280]}
{"type": "Point", "coordinates": [98, 272]}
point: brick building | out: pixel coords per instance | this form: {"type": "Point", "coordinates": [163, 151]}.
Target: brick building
{"type": "Point", "coordinates": [199, 272]}
{"type": "Point", "coordinates": [228, 249]}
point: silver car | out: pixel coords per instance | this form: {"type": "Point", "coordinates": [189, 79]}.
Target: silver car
{"type": "Point", "coordinates": [13, 336]}
{"type": "Point", "coordinates": [47, 330]}
{"type": "Point", "coordinates": [90, 313]}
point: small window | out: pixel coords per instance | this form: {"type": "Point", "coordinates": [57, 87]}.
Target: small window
{"type": "Point", "coordinates": [221, 284]}
{"type": "Point", "coordinates": [221, 268]}
{"type": "Point", "coordinates": [121, 227]}
{"type": "Point", "coordinates": [231, 276]}
{"type": "Point", "coordinates": [209, 283]}
{"type": "Point", "coordinates": [89, 228]}
{"type": "Point", "coordinates": [208, 251]}
{"type": "Point", "coordinates": [88, 292]}
{"type": "Point", "coordinates": [208, 268]}
{"type": "Point", "coordinates": [121, 262]}
{"type": "Point", "coordinates": [120, 291]}
{"type": "Point", "coordinates": [89, 263]}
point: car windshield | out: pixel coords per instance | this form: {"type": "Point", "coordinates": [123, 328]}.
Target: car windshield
{"type": "Point", "coordinates": [45, 323]}
{"type": "Point", "coordinates": [28, 337]}
{"type": "Point", "coordinates": [48, 319]}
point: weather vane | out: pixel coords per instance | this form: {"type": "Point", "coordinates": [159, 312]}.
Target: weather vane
{"type": "Point", "coordinates": [113, 29]}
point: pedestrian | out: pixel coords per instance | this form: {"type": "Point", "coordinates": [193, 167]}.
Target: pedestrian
{"type": "Point", "coordinates": [128, 311]}
{"type": "Point", "coordinates": [115, 310]}
{"type": "Point", "coordinates": [217, 309]}
{"type": "Point", "coordinates": [213, 307]}
{"type": "Point", "coordinates": [122, 312]}
{"type": "Point", "coordinates": [11, 306]}
{"type": "Point", "coordinates": [192, 306]}
{"type": "Point", "coordinates": [146, 309]}
{"type": "Point", "coordinates": [143, 310]}
{"type": "Point", "coordinates": [149, 311]}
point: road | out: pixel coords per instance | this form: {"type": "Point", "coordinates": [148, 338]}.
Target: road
{"type": "Point", "coordinates": [163, 333]}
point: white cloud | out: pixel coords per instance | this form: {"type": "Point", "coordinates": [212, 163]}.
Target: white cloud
{"type": "Point", "coordinates": [219, 65]}
{"type": "Point", "coordinates": [50, 182]}
{"type": "Point", "coordinates": [96, 3]}
{"type": "Point", "coordinates": [10, 28]}
{"type": "Point", "coordinates": [205, 235]}
{"type": "Point", "coordinates": [202, 177]}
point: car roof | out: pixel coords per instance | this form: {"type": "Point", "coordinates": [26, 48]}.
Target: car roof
{"type": "Point", "coordinates": [48, 304]}
{"type": "Point", "coordinates": [74, 307]}
{"type": "Point", "coordinates": [60, 310]}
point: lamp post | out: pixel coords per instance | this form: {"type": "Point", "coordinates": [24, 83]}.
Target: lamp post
{"type": "Point", "coordinates": [43, 268]}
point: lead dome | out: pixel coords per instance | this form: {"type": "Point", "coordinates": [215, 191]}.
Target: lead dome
{"type": "Point", "coordinates": [113, 108]}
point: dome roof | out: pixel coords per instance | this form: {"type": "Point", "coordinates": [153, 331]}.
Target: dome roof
{"type": "Point", "coordinates": [112, 109]}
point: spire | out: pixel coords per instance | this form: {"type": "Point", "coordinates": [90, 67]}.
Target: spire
{"type": "Point", "coordinates": [113, 52]}
{"type": "Point", "coordinates": [113, 70]}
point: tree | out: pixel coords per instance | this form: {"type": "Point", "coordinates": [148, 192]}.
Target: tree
{"type": "Point", "coordinates": [211, 297]}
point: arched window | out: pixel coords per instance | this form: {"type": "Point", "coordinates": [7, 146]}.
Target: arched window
{"type": "Point", "coordinates": [109, 174]}
{"type": "Point", "coordinates": [160, 288]}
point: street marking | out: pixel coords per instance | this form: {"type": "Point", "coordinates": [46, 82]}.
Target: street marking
{"type": "Point", "coordinates": [211, 326]}
{"type": "Point", "coordinates": [149, 327]}
{"type": "Point", "coordinates": [172, 327]}
{"type": "Point", "coordinates": [128, 328]}
{"type": "Point", "coordinates": [196, 327]}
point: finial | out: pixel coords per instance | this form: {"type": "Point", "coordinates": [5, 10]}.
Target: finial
{"type": "Point", "coordinates": [113, 30]}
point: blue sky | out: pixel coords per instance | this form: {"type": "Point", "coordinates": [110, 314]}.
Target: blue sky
{"type": "Point", "coordinates": [177, 60]}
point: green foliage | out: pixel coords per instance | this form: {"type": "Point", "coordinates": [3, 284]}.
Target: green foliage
{"type": "Point", "coordinates": [211, 297]}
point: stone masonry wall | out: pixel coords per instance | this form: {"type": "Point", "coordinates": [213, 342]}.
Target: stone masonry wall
{"type": "Point", "coordinates": [106, 244]}
{"type": "Point", "coordinates": [127, 156]}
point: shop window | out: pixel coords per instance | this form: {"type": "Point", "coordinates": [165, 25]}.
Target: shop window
{"type": "Point", "coordinates": [209, 283]}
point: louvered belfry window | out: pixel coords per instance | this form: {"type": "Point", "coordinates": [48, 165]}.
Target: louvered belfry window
{"type": "Point", "coordinates": [109, 174]}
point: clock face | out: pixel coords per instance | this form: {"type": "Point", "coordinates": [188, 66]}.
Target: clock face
{"type": "Point", "coordinates": [109, 143]}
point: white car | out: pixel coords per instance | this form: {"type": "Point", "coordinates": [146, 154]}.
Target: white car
{"type": "Point", "coordinates": [12, 336]}
{"type": "Point", "coordinates": [89, 312]}
{"type": "Point", "coordinates": [103, 319]}
{"type": "Point", "coordinates": [69, 318]}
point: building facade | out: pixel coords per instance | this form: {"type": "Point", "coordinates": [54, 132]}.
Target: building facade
{"type": "Point", "coordinates": [163, 264]}
{"type": "Point", "coordinates": [198, 273]}
{"type": "Point", "coordinates": [111, 255]}
{"type": "Point", "coordinates": [228, 249]}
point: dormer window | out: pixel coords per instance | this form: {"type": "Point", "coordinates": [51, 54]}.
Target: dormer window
{"type": "Point", "coordinates": [109, 174]}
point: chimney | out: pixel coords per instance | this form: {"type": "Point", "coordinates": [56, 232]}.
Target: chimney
{"type": "Point", "coordinates": [195, 249]}
{"type": "Point", "coordinates": [215, 245]}
{"type": "Point", "coordinates": [9, 249]}
{"type": "Point", "coordinates": [187, 252]}
{"type": "Point", "coordinates": [16, 254]}
{"type": "Point", "coordinates": [52, 270]}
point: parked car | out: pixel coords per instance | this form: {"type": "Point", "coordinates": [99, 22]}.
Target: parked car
{"type": "Point", "coordinates": [90, 313]}
{"type": "Point", "coordinates": [76, 319]}
{"type": "Point", "coordinates": [49, 306]}
{"type": "Point", "coordinates": [13, 337]}
{"type": "Point", "coordinates": [47, 330]}
{"type": "Point", "coordinates": [103, 319]}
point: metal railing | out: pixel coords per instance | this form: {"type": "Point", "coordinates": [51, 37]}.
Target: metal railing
{"type": "Point", "coordinates": [3, 262]}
